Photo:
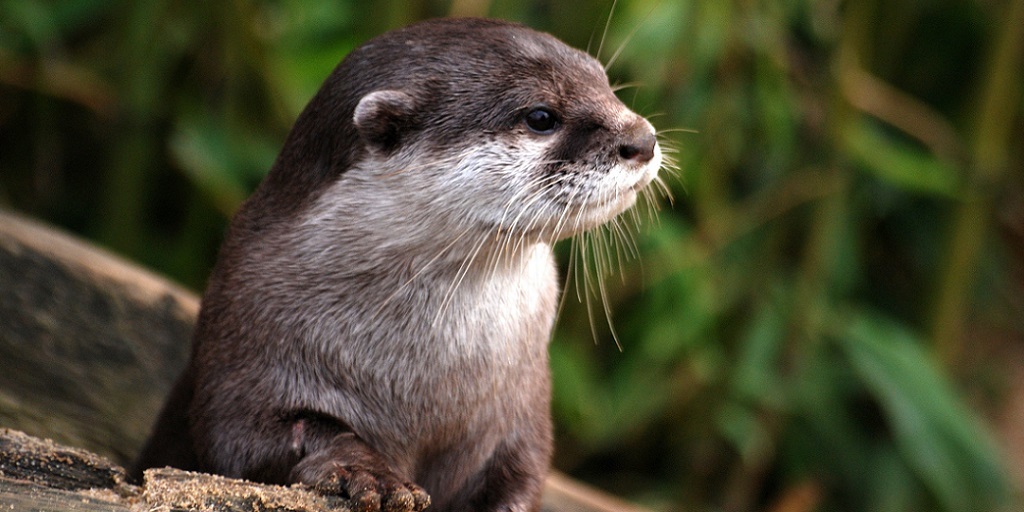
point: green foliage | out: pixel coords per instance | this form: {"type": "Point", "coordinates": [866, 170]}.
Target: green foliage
{"type": "Point", "coordinates": [794, 332]}
{"type": "Point", "coordinates": [939, 440]}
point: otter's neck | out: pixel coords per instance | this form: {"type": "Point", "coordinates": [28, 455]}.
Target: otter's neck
{"type": "Point", "coordinates": [409, 266]}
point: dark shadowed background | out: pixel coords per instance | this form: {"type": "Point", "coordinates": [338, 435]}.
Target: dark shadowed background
{"type": "Point", "coordinates": [830, 317]}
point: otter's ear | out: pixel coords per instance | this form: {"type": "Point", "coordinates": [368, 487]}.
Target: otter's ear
{"type": "Point", "coordinates": [381, 118]}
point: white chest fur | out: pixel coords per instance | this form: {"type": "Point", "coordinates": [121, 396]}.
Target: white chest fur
{"type": "Point", "coordinates": [428, 337]}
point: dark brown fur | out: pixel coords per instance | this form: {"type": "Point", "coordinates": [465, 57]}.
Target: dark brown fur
{"type": "Point", "coordinates": [313, 360]}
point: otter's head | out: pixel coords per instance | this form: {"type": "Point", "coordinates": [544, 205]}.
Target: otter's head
{"type": "Point", "coordinates": [482, 123]}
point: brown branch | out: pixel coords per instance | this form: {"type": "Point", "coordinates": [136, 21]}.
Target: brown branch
{"type": "Point", "coordinates": [59, 79]}
{"type": "Point", "coordinates": [877, 98]}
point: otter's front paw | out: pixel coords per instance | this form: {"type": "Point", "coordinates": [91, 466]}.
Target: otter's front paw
{"type": "Point", "coordinates": [373, 490]}
{"type": "Point", "coordinates": [361, 477]}
{"type": "Point", "coordinates": [352, 469]}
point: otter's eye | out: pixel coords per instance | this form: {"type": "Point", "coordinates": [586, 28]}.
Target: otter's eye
{"type": "Point", "coordinates": [542, 121]}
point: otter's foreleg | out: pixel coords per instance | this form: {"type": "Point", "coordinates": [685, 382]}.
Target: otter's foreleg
{"type": "Point", "coordinates": [513, 478]}
{"type": "Point", "coordinates": [334, 460]}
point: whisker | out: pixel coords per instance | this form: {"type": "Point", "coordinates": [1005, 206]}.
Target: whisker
{"type": "Point", "coordinates": [583, 250]}
{"type": "Point", "coordinates": [604, 35]}
{"type": "Point", "coordinates": [676, 130]}
{"type": "Point", "coordinates": [503, 237]}
{"type": "Point", "coordinates": [586, 283]}
{"type": "Point", "coordinates": [629, 38]}
{"type": "Point", "coordinates": [460, 275]}
{"type": "Point", "coordinates": [626, 85]}
{"type": "Point", "coordinates": [628, 241]}
{"type": "Point", "coordinates": [651, 202]}
{"type": "Point", "coordinates": [422, 269]}
{"type": "Point", "coordinates": [569, 274]}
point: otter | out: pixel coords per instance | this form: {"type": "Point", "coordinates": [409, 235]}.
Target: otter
{"type": "Point", "coordinates": [376, 324]}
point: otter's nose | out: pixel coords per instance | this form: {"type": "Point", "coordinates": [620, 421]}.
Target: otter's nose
{"type": "Point", "coordinates": [640, 147]}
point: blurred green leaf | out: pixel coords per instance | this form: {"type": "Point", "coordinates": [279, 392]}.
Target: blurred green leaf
{"type": "Point", "coordinates": [934, 431]}
{"type": "Point", "coordinates": [223, 162]}
{"type": "Point", "coordinates": [756, 371]}
{"type": "Point", "coordinates": [578, 394]}
{"type": "Point", "coordinates": [900, 164]}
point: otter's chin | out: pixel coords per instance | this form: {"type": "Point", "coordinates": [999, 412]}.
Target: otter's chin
{"type": "Point", "coordinates": [603, 211]}
{"type": "Point", "coordinates": [590, 216]}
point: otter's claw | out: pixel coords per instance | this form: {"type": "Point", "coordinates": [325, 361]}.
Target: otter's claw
{"type": "Point", "coordinates": [374, 491]}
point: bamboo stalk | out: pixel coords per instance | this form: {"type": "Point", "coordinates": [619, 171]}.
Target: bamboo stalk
{"type": "Point", "coordinates": [121, 223]}
{"type": "Point", "coordinates": [999, 104]}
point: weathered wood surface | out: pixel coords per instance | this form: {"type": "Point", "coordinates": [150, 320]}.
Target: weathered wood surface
{"type": "Point", "coordinates": [88, 343]}
{"type": "Point", "coordinates": [37, 474]}
{"type": "Point", "coordinates": [24, 496]}
{"type": "Point", "coordinates": [89, 346]}
{"type": "Point", "coordinates": [43, 462]}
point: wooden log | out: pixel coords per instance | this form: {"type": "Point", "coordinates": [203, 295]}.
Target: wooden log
{"type": "Point", "coordinates": [43, 462]}
{"type": "Point", "coordinates": [89, 344]}
{"type": "Point", "coordinates": [37, 474]}
{"type": "Point", "coordinates": [19, 495]}
{"type": "Point", "coordinates": [210, 493]}
{"type": "Point", "coordinates": [89, 347]}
